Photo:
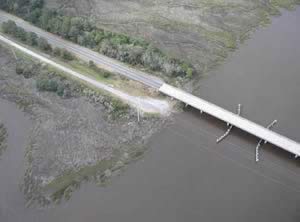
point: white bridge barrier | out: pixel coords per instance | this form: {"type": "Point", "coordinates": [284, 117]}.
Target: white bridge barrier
{"type": "Point", "coordinates": [233, 119]}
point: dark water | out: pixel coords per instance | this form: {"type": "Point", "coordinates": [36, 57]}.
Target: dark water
{"type": "Point", "coordinates": [185, 176]}
{"type": "Point", "coordinates": [12, 161]}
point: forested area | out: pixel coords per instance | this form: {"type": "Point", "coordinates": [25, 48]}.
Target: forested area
{"type": "Point", "coordinates": [81, 31]}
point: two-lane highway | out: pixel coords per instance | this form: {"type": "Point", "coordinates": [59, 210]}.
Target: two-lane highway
{"type": "Point", "coordinates": [145, 104]}
{"type": "Point", "coordinates": [87, 54]}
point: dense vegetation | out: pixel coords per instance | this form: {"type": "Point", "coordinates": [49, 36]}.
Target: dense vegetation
{"type": "Point", "coordinates": [82, 31]}
{"type": "Point", "coordinates": [48, 80]}
{"type": "Point", "coordinates": [32, 39]}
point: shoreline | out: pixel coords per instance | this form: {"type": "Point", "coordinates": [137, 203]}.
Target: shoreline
{"type": "Point", "coordinates": [88, 143]}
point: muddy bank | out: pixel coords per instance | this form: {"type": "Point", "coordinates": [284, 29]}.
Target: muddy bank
{"type": "Point", "coordinates": [76, 135]}
{"type": "Point", "coordinates": [3, 138]}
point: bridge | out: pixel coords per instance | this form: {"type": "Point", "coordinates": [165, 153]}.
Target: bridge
{"type": "Point", "coordinates": [265, 134]}
{"type": "Point", "coordinates": [232, 119]}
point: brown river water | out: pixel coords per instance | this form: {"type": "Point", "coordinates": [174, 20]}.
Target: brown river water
{"type": "Point", "coordinates": [185, 175]}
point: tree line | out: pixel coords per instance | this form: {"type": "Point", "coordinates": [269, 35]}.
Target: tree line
{"type": "Point", "coordinates": [31, 38]}
{"type": "Point", "coordinates": [81, 31]}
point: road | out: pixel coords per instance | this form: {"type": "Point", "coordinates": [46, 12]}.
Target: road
{"type": "Point", "coordinates": [151, 81]}
{"type": "Point", "coordinates": [145, 104]}
{"type": "Point", "coordinates": [87, 54]}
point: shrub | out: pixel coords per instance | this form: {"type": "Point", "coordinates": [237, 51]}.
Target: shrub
{"type": "Point", "coordinates": [106, 75]}
{"type": "Point", "coordinates": [119, 107]}
{"type": "Point", "coordinates": [60, 90]}
{"type": "Point", "coordinates": [31, 38]}
{"type": "Point", "coordinates": [57, 52]}
{"type": "Point", "coordinates": [19, 69]}
{"type": "Point", "coordinates": [43, 44]}
{"type": "Point", "coordinates": [91, 64]}
{"type": "Point", "coordinates": [25, 69]}
{"type": "Point", "coordinates": [67, 55]}
{"type": "Point", "coordinates": [47, 85]}
{"type": "Point", "coordinates": [9, 27]}
{"type": "Point", "coordinates": [152, 58]}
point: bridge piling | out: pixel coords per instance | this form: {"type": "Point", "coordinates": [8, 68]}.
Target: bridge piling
{"type": "Point", "coordinates": [226, 116]}
{"type": "Point", "coordinates": [261, 140]}
{"type": "Point", "coordinates": [229, 126]}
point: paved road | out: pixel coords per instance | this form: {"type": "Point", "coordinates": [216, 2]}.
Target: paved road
{"type": "Point", "coordinates": [145, 104]}
{"type": "Point", "coordinates": [87, 54]}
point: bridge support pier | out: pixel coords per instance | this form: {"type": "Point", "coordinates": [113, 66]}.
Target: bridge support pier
{"type": "Point", "coordinates": [264, 141]}
{"type": "Point", "coordinates": [239, 110]}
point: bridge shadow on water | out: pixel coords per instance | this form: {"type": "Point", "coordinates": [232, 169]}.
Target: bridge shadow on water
{"type": "Point", "coordinates": [241, 139]}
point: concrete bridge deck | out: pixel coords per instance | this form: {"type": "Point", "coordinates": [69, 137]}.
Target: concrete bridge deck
{"type": "Point", "coordinates": [233, 119]}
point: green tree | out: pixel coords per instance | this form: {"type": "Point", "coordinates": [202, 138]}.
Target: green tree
{"type": "Point", "coordinates": [56, 24]}
{"type": "Point", "coordinates": [57, 52]}
{"type": "Point", "coordinates": [106, 74]}
{"type": "Point", "coordinates": [91, 64]}
{"type": "Point", "coordinates": [31, 38]}
{"type": "Point", "coordinates": [43, 44]}
{"type": "Point", "coordinates": [152, 58]}
{"type": "Point", "coordinates": [47, 85]}
{"type": "Point", "coordinates": [36, 4]}
{"type": "Point", "coordinates": [98, 36]}
{"type": "Point", "coordinates": [60, 90]}
{"type": "Point", "coordinates": [66, 25]}
{"type": "Point", "coordinates": [44, 19]}
{"type": "Point", "coordinates": [67, 55]}
{"type": "Point", "coordinates": [4, 4]}
{"type": "Point", "coordinates": [21, 34]}
{"type": "Point", "coordinates": [9, 27]}
{"type": "Point", "coordinates": [189, 72]}
{"type": "Point", "coordinates": [74, 33]}
{"type": "Point", "coordinates": [187, 69]}
{"type": "Point", "coordinates": [34, 16]}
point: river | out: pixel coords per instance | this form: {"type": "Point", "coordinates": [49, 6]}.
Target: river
{"type": "Point", "coordinates": [185, 175]}
{"type": "Point", "coordinates": [12, 161]}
